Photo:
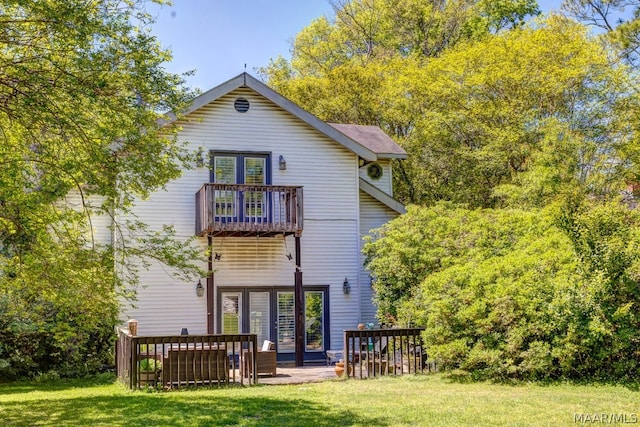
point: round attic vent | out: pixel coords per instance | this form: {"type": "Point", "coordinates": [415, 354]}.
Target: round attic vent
{"type": "Point", "coordinates": [374, 171]}
{"type": "Point", "coordinates": [241, 105]}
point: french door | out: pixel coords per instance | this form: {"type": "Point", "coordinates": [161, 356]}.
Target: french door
{"type": "Point", "coordinates": [249, 169]}
{"type": "Point", "coordinates": [269, 313]}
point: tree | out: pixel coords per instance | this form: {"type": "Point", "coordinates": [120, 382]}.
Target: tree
{"type": "Point", "coordinates": [621, 28]}
{"type": "Point", "coordinates": [498, 114]}
{"type": "Point", "coordinates": [481, 116]}
{"type": "Point", "coordinates": [81, 90]}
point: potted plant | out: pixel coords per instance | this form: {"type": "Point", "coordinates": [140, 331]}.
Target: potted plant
{"type": "Point", "coordinates": [148, 370]}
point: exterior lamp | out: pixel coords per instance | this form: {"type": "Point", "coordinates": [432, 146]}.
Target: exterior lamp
{"type": "Point", "coordinates": [199, 289]}
{"type": "Point", "coordinates": [200, 158]}
{"type": "Point", "coordinates": [346, 287]}
{"type": "Point", "coordinates": [282, 163]}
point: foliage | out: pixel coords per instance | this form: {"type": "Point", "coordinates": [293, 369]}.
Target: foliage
{"type": "Point", "coordinates": [619, 19]}
{"type": "Point", "coordinates": [516, 294]}
{"type": "Point", "coordinates": [149, 365]}
{"type": "Point", "coordinates": [517, 116]}
{"type": "Point", "coordinates": [81, 91]}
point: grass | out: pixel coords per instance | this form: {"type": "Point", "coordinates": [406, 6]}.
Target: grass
{"type": "Point", "coordinates": [409, 400]}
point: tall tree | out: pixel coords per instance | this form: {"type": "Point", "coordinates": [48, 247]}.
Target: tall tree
{"type": "Point", "coordinates": [619, 20]}
{"type": "Point", "coordinates": [485, 116]}
{"type": "Point", "coordinates": [81, 89]}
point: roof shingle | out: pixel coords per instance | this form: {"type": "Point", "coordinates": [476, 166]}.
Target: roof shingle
{"type": "Point", "coordinates": [373, 138]}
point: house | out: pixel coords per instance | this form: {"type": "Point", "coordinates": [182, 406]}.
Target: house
{"type": "Point", "coordinates": [283, 199]}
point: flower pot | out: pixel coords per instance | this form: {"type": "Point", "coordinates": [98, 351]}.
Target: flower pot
{"type": "Point", "coordinates": [340, 369]}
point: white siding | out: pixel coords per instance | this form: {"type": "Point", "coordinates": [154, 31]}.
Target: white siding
{"type": "Point", "coordinates": [329, 243]}
{"type": "Point", "coordinates": [101, 232]}
{"type": "Point", "coordinates": [384, 183]}
{"type": "Point", "coordinates": [373, 214]}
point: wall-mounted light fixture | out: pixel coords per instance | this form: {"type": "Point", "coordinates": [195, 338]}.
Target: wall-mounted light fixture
{"type": "Point", "coordinates": [346, 287]}
{"type": "Point", "coordinates": [200, 158]}
{"type": "Point", "coordinates": [199, 289]}
{"type": "Point", "coordinates": [282, 163]}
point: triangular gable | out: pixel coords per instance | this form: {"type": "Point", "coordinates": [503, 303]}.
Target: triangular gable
{"type": "Point", "coordinates": [245, 80]}
{"type": "Point", "coordinates": [382, 197]}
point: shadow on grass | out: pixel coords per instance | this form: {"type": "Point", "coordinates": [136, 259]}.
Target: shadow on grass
{"type": "Point", "coordinates": [17, 387]}
{"type": "Point", "coordinates": [462, 377]}
{"type": "Point", "coordinates": [158, 409]}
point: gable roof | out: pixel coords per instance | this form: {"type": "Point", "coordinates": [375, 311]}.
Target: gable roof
{"type": "Point", "coordinates": [246, 80]}
{"type": "Point", "coordinates": [368, 142]}
{"type": "Point", "coordinates": [374, 139]}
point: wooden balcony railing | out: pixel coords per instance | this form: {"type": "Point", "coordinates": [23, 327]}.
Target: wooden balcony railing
{"type": "Point", "coordinates": [169, 362]}
{"type": "Point", "coordinates": [374, 352]}
{"type": "Point", "coordinates": [248, 210]}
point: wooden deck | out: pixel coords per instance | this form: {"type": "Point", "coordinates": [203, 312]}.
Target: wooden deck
{"type": "Point", "coordinates": [248, 210]}
{"type": "Point", "coordinates": [375, 352]}
{"type": "Point", "coordinates": [169, 362]}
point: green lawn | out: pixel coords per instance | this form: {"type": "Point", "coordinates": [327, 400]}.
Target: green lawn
{"type": "Point", "coordinates": [408, 400]}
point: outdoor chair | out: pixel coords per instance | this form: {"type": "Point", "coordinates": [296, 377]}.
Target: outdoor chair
{"type": "Point", "coordinates": [265, 359]}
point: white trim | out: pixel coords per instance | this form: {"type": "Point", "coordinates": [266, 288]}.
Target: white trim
{"type": "Point", "coordinates": [382, 197]}
{"type": "Point", "coordinates": [246, 80]}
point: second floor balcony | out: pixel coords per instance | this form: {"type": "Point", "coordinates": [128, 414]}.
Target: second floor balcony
{"type": "Point", "coordinates": [248, 210]}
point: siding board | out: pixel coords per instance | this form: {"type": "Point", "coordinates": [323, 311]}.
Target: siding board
{"type": "Point", "coordinates": [373, 214]}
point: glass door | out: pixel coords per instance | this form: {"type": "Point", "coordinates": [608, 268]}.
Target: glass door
{"type": "Point", "coordinates": [254, 201]}
{"type": "Point", "coordinates": [270, 314]}
{"type": "Point", "coordinates": [226, 201]}
{"type": "Point", "coordinates": [314, 323]}
{"type": "Point", "coordinates": [260, 315]}
{"type": "Point", "coordinates": [286, 323]}
{"type": "Point", "coordinates": [231, 312]}
{"type": "Point", "coordinates": [249, 169]}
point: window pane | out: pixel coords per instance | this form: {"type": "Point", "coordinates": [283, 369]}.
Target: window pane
{"type": "Point", "coordinates": [314, 320]}
{"type": "Point", "coordinates": [286, 325]}
{"type": "Point", "coordinates": [254, 200]}
{"type": "Point", "coordinates": [224, 171]}
{"type": "Point", "coordinates": [254, 170]}
{"type": "Point", "coordinates": [231, 312]}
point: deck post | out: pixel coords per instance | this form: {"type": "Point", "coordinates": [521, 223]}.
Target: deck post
{"type": "Point", "coordinates": [298, 307]}
{"type": "Point", "coordinates": [209, 293]}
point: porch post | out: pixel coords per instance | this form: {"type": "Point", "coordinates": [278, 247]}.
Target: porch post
{"type": "Point", "coordinates": [298, 307]}
{"type": "Point", "coordinates": [210, 288]}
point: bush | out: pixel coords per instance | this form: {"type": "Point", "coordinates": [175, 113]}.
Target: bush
{"type": "Point", "coordinates": [149, 365]}
{"type": "Point", "coordinates": [516, 294]}
{"type": "Point", "coordinates": [57, 344]}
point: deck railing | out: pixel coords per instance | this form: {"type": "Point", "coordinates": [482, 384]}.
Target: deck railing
{"type": "Point", "coordinates": [170, 362]}
{"type": "Point", "coordinates": [248, 210]}
{"type": "Point", "coordinates": [374, 352]}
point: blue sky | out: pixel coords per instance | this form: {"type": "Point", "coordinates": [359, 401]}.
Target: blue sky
{"type": "Point", "coordinates": [217, 37]}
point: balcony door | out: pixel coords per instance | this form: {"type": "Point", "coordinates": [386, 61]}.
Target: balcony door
{"type": "Point", "coordinates": [250, 169]}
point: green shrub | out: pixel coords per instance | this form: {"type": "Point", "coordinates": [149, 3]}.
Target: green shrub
{"type": "Point", "coordinates": [516, 294]}
{"type": "Point", "coordinates": [149, 365]}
